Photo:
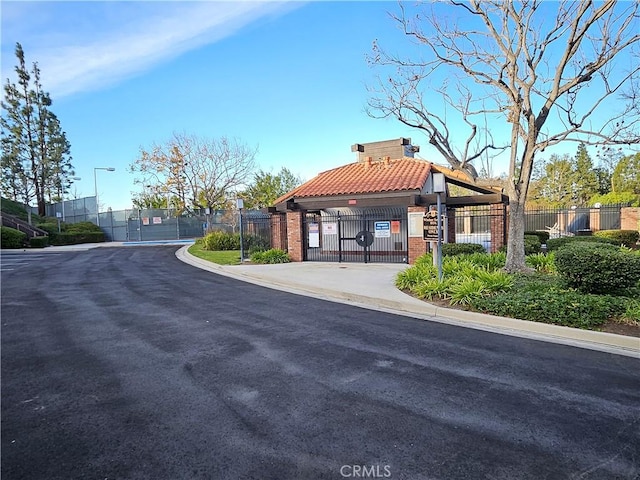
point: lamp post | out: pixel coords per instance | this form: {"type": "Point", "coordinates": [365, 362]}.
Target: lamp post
{"type": "Point", "coordinates": [439, 187]}
{"type": "Point", "coordinates": [95, 184]}
{"type": "Point", "coordinates": [240, 205]}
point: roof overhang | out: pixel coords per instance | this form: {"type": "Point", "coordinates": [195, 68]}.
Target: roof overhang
{"type": "Point", "coordinates": [387, 199]}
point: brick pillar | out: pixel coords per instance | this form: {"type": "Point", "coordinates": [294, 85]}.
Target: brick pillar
{"type": "Point", "coordinates": [630, 218]}
{"type": "Point", "coordinates": [295, 243]}
{"type": "Point", "coordinates": [498, 226]}
{"type": "Point", "coordinates": [276, 231]}
{"type": "Point", "coordinates": [594, 219]}
{"type": "Point", "coordinates": [417, 246]}
{"type": "Point", "coordinates": [451, 225]}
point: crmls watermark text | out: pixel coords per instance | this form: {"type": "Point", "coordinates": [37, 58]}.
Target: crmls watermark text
{"type": "Point", "coordinates": [365, 471]}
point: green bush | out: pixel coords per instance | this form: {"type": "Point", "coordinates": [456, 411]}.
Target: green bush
{"type": "Point", "coordinates": [543, 236]}
{"type": "Point", "coordinates": [12, 238]}
{"type": "Point", "coordinates": [531, 244]}
{"type": "Point", "coordinates": [65, 238]}
{"type": "Point", "coordinates": [17, 210]}
{"type": "Point", "coordinates": [274, 255]}
{"type": "Point", "coordinates": [39, 242]}
{"type": "Point", "coordinates": [49, 227]}
{"type": "Point", "coordinates": [541, 262]}
{"type": "Point", "coordinates": [255, 243]}
{"type": "Point", "coordinates": [556, 243]}
{"type": "Point", "coordinates": [568, 307]}
{"type": "Point", "coordinates": [593, 268]}
{"type": "Point", "coordinates": [82, 227]}
{"type": "Point", "coordinates": [450, 249]}
{"type": "Point", "coordinates": [220, 240]}
{"type": "Point", "coordinates": [628, 238]}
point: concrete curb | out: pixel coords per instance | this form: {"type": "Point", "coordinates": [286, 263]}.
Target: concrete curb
{"type": "Point", "coordinates": [601, 341]}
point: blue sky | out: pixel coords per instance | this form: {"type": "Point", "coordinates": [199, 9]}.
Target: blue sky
{"type": "Point", "coordinates": [287, 77]}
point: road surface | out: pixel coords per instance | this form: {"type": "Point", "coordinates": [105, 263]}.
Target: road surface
{"type": "Point", "coordinates": [124, 363]}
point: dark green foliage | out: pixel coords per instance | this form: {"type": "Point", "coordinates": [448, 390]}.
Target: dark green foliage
{"type": "Point", "coordinates": [556, 243]}
{"type": "Point", "coordinates": [531, 244]}
{"type": "Point", "coordinates": [82, 227]}
{"type": "Point", "coordinates": [255, 243]}
{"type": "Point", "coordinates": [49, 227]}
{"type": "Point", "coordinates": [594, 268]}
{"type": "Point", "coordinates": [39, 242]}
{"type": "Point", "coordinates": [66, 238]}
{"type": "Point", "coordinates": [271, 256]}
{"type": "Point", "coordinates": [220, 240]}
{"type": "Point", "coordinates": [628, 238]}
{"type": "Point", "coordinates": [542, 236]}
{"type": "Point", "coordinates": [17, 210]}
{"type": "Point", "coordinates": [449, 249]}
{"type": "Point", "coordinates": [12, 238]}
{"type": "Point", "coordinates": [559, 307]}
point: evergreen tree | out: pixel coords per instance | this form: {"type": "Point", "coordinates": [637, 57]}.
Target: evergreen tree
{"type": "Point", "coordinates": [267, 187]}
{"type": "Point", "coordinates": [36, 161]}
{"type": "Point", "coordinates": [585, 179]}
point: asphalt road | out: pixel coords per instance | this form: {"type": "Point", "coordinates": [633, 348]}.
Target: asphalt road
{"type": "Point", "coordinates": [125, 363]}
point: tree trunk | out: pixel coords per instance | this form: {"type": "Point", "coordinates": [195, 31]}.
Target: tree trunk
{"type": "Point", "coordinates": [515, 242]}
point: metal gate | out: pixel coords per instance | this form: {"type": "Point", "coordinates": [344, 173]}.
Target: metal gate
{"type": "Point", "coordinates": [348, 235]}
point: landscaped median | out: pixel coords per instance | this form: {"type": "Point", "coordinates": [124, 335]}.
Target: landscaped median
{"type": "Point", "coordinates": [584, 285]}
{"type": "Point", "coordinates": [223, 248]}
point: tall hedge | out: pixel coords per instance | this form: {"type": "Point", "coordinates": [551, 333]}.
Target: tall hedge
{"type": "Point", "coordinates": [12, 238]}
{"type": "Point", "coordinates": [628, 238]}
{"type": "Point", "coordinates": [597, 268]}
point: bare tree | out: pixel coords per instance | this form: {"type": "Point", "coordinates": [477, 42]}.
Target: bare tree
{"type": "Point", "coordinates": [195, 172]}
{"type": "Point", "coordinates": [542, 72]}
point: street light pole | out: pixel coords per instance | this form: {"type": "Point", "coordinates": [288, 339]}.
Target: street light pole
{"type": "Point", "coordinates": [95, 185]}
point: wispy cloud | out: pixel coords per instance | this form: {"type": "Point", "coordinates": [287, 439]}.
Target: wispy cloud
{"type": "Point", "coordinates": [90, 45]}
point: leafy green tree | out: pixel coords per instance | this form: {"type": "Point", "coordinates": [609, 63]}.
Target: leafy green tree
{"type": "Point", "coordinates": [585, 180]}
{"type": "Point", "coordinates": [626, 175]}
{"type": "Point", "coordinates": [36, 161]}
{"type": "Point", "coordinates": [553, 186]}
{"type": "Point", "coordinates": [267, 187]}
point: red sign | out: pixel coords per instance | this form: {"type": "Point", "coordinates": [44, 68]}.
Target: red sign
{"type": "Point", "coordinates": [353, 202]}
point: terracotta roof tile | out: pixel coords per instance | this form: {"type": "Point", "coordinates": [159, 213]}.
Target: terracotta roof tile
{"type": "Point", "coordinates": [363, 177]}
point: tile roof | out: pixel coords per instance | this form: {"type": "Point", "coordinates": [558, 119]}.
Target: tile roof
{"type": "Point", "coordinates": [365, 177]}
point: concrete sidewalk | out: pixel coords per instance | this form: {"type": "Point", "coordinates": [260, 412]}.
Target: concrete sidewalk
{"type": "Point", "coordinates": [372, 286]}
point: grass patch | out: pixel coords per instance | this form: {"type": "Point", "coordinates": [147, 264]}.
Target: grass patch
{"type": "Point", "coordinates": [222, 257]}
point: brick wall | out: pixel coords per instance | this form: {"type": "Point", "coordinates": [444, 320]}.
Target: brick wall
{"type": "Point", "coordinates": [277, 234]}
{"type": "Point", "coordinates": [295, 243]}
{"type": "Point", "coordinates": [630, 218]}
{"type": "Point", "coordinates": [416, 246]}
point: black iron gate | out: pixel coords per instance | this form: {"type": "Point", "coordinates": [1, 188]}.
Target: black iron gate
{"type": "Point", "coordinates": [367, 235]}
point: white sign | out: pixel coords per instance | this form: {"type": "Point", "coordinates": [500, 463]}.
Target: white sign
{"type": "Point", "coordinates": [157, 220]}
{"type": "Point", "coordinates": [329, 228]}
{"type": "Point", "coordinates": [383, 229]}
{"type": "Point", "coordinates": [314, 235]}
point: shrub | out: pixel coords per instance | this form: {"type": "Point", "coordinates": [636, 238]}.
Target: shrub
{"type": "Point", "coordinates": [39, 242]}
{"type": "Point", "coordinates": [450, 249]}
{"type": "Point", "coordinates": [628, 238]}
{"type": "Point", "coordinates": [65, 238]}
{"type": "Point", "coordinates": [543, 236]}
{"type": "Point", "coordinates": [541, 262]}
{"type": "Point", "coordinates": [82, 227]}
{"type": "Point", "coordinates": [556, 243]}
{"type": "Point", "coordinates": [531, 244]}
{"type": "Point", "coordinates": [12, 238]}
{"type": "Point", "coordinates": [568, 307]}
{"type": "Point", "coordinates": [255, 243]}
{"type": "Point", "coordinates": [220, 240]}
{"type": "Point", "coordinates": [274, 255]}
{"type": "Point", "coordinates": [49, 227]}
{"type": "Point", "coordinates": [593, 268]}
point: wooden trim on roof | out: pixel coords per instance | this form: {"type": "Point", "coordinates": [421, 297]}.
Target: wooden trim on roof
{"type": "Point", "coordinates": [389, 199]}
